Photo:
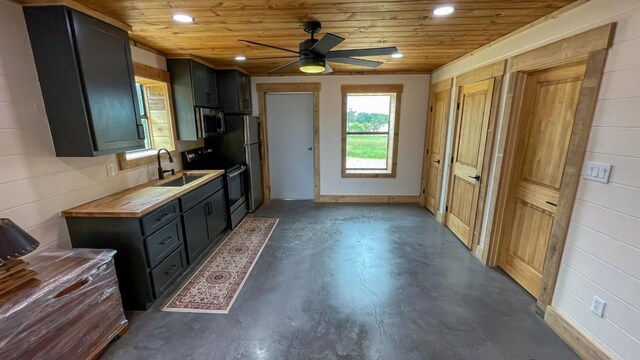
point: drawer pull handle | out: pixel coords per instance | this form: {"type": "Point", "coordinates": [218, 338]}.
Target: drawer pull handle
{"type": "Point", "coordinates": [164, 217]}
{"type": "Point", "coordinates": [552, 204]}
{"type": "Point", "coordinates": [173, 267]}
{"type": "Point", "coordinates": [166, 240]}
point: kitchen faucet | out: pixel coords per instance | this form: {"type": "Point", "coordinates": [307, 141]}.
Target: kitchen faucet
{"type": "Point", "coordinates": [161, 171]}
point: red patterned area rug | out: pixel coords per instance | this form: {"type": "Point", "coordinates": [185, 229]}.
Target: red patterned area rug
{"type": "Point", "coordinates": [214, 287]}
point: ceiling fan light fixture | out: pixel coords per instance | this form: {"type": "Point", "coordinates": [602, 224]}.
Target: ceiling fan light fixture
{"type": "Point", "coordinates": [312, 65]}
{"type": "Point", "coordinates": [397, 55]}
{"type": "Point", "coordinates": [240, 58]}
{"type": "Point", "coordinates": [444, 10]}
{"type": "Point", "coordinates": [182, 18]}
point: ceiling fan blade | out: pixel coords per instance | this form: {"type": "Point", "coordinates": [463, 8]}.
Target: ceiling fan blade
{"type": "Point", "coordinates": [280, 68]}
{"type": "Point", "coordinates": [327, 69]}
{"type": "Point", "coordinates": [269, 46]}
{"type": "Point", "coordinates": [362, 52]}
{"type": "Point", "coordinates": [328, 42]}
{"type": "Point", "coordinates": [357, 62]}
{"type": "Point", "coordinates": [274, 57]}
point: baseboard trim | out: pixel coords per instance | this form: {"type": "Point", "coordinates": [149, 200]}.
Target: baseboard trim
{"type": "Point", "coordinates": [581, 343]}
{"type": "Point", "coordinates": [399, 199]}
{"type": "Point", "coordinates": [440, 217]}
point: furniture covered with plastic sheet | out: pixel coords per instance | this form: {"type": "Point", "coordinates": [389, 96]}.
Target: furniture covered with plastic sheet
{"type": "Point", "coordinates": [72, 311]}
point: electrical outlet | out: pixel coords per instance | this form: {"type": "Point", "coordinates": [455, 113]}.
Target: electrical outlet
{"type": "Point", "coordinates": [598, 306]}
{"type": "Point", "coordinates": [111, 170]}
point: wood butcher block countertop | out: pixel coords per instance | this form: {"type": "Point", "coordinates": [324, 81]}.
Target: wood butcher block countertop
{"type": "Point", "coordinates": [142, 199]}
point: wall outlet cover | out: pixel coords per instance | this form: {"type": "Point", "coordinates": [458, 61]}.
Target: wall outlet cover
{"type": "Point", "coordinates": [598, 306]}
{"type": "Point", "coordinates": [111, 170]}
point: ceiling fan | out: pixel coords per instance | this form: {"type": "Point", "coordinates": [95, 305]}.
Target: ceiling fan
{"type": "Point", "coordinates": [313, 54]}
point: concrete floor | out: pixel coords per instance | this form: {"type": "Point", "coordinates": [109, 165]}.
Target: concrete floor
{"type": "Point", "coordinates": [356, 282]}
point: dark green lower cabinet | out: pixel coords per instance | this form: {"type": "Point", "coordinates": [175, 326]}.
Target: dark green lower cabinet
{"type": "Point", "coordinates": [153, 251]}
{"type": "Point", "coordinates": [203, 223]}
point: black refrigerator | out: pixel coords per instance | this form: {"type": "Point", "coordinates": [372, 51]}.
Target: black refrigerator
{"type": "Point", "coordinates": [241, 144]}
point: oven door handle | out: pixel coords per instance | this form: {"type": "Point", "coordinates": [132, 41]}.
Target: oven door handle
{"type": "Point", "coordinates": [237, 172]}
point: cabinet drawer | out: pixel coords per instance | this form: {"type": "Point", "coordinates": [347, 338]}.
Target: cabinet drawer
{"type": "Point", "coordinates": [163, 242]}
{"type": "Point", "coordinates": [159, 218]}
{"type": "Point", "coordinates": [193, 198]}
{"type": "Point", "coordinates": [168, 270]}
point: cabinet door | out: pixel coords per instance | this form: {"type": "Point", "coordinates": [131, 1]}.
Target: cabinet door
{"type": "Point", "coordinates": [212, 94]}
{"type": "Point", "coordinates": [200, 81]}
{"type": "Point", "coordinates": [245, 94]}
{"type": "Point", "coordinates": [104, 57]}
{"type": "Point", "coordinates": [205, 90]}
{"type": "Point", "coordinates": [196, 231]}
{"type": "Point", "coordinates": [217, 215]}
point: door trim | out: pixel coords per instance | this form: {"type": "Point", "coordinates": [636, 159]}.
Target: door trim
{"type": "Point", "coordinates": [436, 88]}
{"type": "Point", "coordinates": [495, 71]}
{"type": "Point", "coordinates": [592, 46]}
{"type": "Point", "coordinates": [265, 88]}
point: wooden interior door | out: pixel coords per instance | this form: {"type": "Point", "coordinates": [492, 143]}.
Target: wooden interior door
{"type": "Point", "coordinates": [544, 130]}
{"type": "Point", "coordinates": [468, 156]}
{"type": "Point", "coordinates": [434, 156]}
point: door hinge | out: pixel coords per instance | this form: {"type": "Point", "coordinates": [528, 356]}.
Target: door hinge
{"type": "Point", "coordinates": [452, 159]}
{"type": "Point", "coordinates": [458, 107]}
{"type": "Point", "coordinates": [446, 209]}
{"type": "Point", "coordinates": [427, 151]}
{"type": "Point", "coordinates": [424, 191]}
{"type": "Point", "coordinates": [431, 109]}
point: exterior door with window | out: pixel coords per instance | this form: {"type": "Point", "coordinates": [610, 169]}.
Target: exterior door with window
{"type": "Point", "coordinates": [370, 127]}
{"type": "Point", "coordinates": [544, 131]}
{"type": "Point", "coordinates": [434, 156]}
{"type": "Point", "coordinates": [468, 157]}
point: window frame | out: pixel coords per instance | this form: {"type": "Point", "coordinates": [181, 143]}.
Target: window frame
{"type": "Point", "coordinates": [136, 158]}
{"type": "Point", "coordinates": [394, 123]}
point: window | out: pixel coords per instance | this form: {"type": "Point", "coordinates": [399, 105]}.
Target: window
{"type": "Point", "coordinates": [152, 87]}
{"type": "Point", "coordinates": [143, 115]}
{"type": "Point", "coordinates": [370, 124]}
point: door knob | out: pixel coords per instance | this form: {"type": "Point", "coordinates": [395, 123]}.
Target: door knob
{"type": "Point", "coordinates": [436, 161]}
{"type": "Point", "coordinates": [477, 177]}
{"type": "Point", "coordinates": [310, 148]}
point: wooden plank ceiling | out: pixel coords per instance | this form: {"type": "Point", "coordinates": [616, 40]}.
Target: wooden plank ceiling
{"type": "Point", "coordinates": [426, 41]}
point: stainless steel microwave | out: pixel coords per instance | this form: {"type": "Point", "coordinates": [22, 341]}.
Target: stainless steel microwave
{"type": "Point", "coordinates": [209, 122]}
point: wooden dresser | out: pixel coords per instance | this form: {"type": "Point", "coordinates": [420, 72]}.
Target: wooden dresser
{"type": "Point", "coordinates": [72, 311]}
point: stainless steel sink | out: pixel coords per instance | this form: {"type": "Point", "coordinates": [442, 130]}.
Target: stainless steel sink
{"type": "Point", "coordinates": [181, 181]}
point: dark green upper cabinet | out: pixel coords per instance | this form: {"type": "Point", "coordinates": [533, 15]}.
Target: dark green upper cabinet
{"type": "Point", "coordinates": [234, 89]}
{"type": "Point", "coordinates": [194, 85]}
{"type": "Point", "coordinates": [205, 90]}
{"type": "Point", "coordinates": [86, 75]}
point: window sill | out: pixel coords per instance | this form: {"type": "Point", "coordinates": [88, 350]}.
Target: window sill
{"type": "Point", "coordinates": [373, 174]}
{"type": "Point", "coordinates": [141, 158]}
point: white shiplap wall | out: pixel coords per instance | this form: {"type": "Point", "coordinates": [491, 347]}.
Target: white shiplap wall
{"type": "Point", "coordinates": [413, 116]}
{"type": "Point", "coordinates": [602, 255]}
{"type": "Point", "coordinates": [35, 185]}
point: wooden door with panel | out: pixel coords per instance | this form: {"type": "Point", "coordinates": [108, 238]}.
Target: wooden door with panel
{"type": "Point", "coordinates": [545, 125]}
{"type": "Point", "coordinates": [434, 157]}
{"type": "Point", "coordinates": [468, 158]}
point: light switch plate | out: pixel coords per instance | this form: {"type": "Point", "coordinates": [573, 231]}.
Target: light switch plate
{"type": "Point", "coordinates": [597, 172]}
{"type": "Point", "coordinates": [111, 170]}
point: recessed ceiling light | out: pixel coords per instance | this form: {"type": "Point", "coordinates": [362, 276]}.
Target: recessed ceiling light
{"type": "Point", "coordinates": [240, 58]}
{"type": "Point", "coordinates": [397, 55]}
{"type": "Point", "coordinates": [182, 18]}
{"type": "Point", "coordinates": [443, 10]}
